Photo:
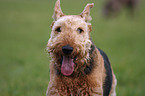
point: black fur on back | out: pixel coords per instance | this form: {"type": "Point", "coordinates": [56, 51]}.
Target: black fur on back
{"type": "Point", "coordinates": [108, 80]}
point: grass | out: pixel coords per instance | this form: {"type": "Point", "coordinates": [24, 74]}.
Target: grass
{"type": "Point", "coordinates": [24, 31]}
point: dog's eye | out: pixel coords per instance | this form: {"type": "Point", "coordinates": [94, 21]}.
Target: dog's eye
{"type": "Point", "coordinates": [58, 29]}
{"type": "Point", "coordinates": [80, 30]}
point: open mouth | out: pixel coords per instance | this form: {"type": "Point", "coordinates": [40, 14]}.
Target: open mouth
{"type": "Point", "coordinates": [67, 66]}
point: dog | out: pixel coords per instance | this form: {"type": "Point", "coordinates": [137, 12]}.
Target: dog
{"type": "Point", "coordinates": [113, 7]}
{"type": "Point", "coordinates": [77, 66]}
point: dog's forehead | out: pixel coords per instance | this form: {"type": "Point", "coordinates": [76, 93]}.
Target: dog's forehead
{"type": "Point", "coordinates": [70, 20]}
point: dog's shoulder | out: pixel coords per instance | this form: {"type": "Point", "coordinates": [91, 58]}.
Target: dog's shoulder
{"type": "Point", "coordinates": [108, 80]}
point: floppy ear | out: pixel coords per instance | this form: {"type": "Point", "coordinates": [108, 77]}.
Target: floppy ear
{"type": "Point", "coordinates": [86, 13]}
{"type": "Point", "coordinates": [57, 11]}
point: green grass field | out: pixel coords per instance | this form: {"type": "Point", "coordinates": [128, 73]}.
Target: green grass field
{"type": "Point", "coordinates": [25, 29]}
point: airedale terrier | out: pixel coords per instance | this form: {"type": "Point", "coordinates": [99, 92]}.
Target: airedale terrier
{"type": "Point", "coordinates": [77, 67]}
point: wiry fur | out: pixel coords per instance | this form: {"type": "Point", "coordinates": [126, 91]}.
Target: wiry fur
{"type": "Point", "coordinates": [89, 72]}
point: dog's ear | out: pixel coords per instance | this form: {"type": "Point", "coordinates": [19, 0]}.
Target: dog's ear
{"type": "Point", "coordinates": [57, 11]}
{"type": "Point", "coordinates": [86, 13]}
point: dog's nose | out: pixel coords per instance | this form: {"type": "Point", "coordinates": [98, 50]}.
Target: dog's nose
{"type": "Point", "coordinates": [67, 50]}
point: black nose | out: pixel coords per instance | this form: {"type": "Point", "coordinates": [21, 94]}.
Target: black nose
{"type": "Point", "coordinates": [67, 50]}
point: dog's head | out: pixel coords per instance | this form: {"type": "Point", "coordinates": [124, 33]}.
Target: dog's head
{"type": "Point", "coordinates": [70, 42]}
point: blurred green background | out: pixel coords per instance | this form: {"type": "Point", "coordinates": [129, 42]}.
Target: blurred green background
{"type": "Point", "coordinates": [25, 29]}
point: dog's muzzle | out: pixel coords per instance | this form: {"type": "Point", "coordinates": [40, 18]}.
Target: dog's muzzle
{"type": "Point", "coordinates": [67, 66]}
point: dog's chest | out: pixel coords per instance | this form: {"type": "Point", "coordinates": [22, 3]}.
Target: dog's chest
{"type": "Point", "coordinates": [74, 88]}
{"type": "Point", "coordinates": [82, 91]}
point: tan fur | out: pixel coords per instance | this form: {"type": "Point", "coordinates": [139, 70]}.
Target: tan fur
{"type": "Point", "coordinates": [86, 13]}
{"type": "Point", "coordinates": [114, 84]}
{"type": "Point", "coordinates": [57, 11]}
{"type": "Point", "coordinates": [78, 84]}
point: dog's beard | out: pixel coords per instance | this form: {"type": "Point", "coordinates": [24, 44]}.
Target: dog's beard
{"type": "Point", "coordinates": [73, 63]}
{"type": "Point", "coordinates": [69, 65]}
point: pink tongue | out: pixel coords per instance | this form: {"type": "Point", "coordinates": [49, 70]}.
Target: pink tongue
{"type": "Point", "coordinates": [67, 66]}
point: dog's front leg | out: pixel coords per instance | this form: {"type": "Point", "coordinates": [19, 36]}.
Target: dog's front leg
{"type": "Point", "coordinates": [97, 91]}
{"type": "Point", "coordinates": [51, 90]}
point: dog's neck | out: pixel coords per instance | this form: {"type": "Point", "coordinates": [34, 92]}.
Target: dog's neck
{"type": "Point", "coordinates": [90, 65]}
